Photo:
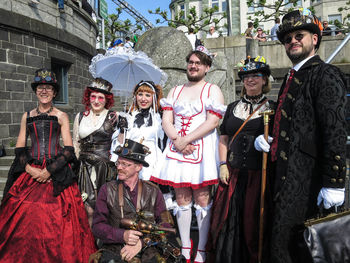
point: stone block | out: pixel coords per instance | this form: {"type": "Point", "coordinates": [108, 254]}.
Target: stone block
{"type": "Point", "coordinates": [28, 41]}
{"type": "Point", "coordinates": [34, 51]}
{"type": "Point", "coordinates": [7, 67]}
{"type": "Point", "coordinates": [17, 117]}
{"type": "Point", "coordinates": [3, 104]}
{"type": "Point", "coordinates": [4, 34]}
{"type": "Point", "coordinates": [26, 70]}
{"type": "Point", "coordinates": [8, 45]}
{"type": "Point", "coordinates": [40, 44]}
{"type": "Point", "coordinates": [14, 129]}
{"type": "Point", "coordinates": [15, 57]}
{"type": "Point", "coordinates": [42, 53]}
{"type": "Point", "coordinates": [4, 131]}
{"type": "Point", "coordinates": [15, 38]}
{"type": "Point", "coordinates": [5, 118]}
{"type": "Point", "coordinates": [29, 105]}
{"type": "Point", "coordinates": [6, 95]}
{"type": "Point", "coordinates": [167, 49]}
{"type": "Point", "coordinates": [15, 106]}
{"type": "Point", "coordinates": [34, 61]}
{"type": "Point", "coordinates": [3, 57]}
{"type": "Point", "coordinates": [13, 76]}
{"type": "Point", "coordinates": [21, 96]}
{"type": "Point", "coordinates": [61, 55]}
{"type": "Point", "coordinates": [15, 85]}
{"type": "Point", "coordinates": [23, 49]}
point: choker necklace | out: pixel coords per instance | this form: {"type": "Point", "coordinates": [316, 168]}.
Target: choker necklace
{"type": "Point", "coordinates": [38, 112]}
{"type": "Point", "coordinates": [253, 98]}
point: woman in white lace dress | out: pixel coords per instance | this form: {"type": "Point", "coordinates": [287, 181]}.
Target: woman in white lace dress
{"type": "Point", "coordinates": [144, 125]}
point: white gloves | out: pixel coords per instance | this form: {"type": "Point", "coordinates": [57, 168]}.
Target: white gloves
{"type": "Point", "coordinates": [261, 144]}
{"type": "Point", "coordinates": [224, 174]}
{"type": "Point", "coordinates": [331, 197]}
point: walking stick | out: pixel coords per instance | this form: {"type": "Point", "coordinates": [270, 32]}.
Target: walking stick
{"type": "Point", "coordinates": [266, 118]}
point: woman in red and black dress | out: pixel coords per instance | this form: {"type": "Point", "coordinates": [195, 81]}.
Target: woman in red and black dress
{"type": "Point", "coordinates": [42, 216]}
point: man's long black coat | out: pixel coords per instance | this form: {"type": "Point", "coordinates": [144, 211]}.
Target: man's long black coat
{"type": "Point", "coordinates": [310, 154]}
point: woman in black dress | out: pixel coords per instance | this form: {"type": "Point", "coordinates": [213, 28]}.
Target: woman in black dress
{"type": "Point", "coordinates": [234, 232]}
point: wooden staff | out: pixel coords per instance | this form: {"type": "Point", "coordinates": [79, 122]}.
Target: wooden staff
{"type": "Point", "coordinates": [266, 118]}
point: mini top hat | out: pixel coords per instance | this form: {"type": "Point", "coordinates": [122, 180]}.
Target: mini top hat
{"type": "Point", "coordinates": [253, 65]}
{"type": "Point", "coordinates": [101, 85]}
{"type": "Point", "coordinates": [45, 76]}
{"type": "Point", "coordinates": [133, 151]}
{"type": "Point", "coordinates": [301, 19]}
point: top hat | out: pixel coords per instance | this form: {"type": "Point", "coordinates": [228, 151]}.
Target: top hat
{"type": "Point", "coordinates": [253, 65]}
{"type": "Point", "coordinates": [134, 151]}
{"type": "Point", "coordinates": [45, 76]}
{"type": "Point", "coordinates": [301, 19]}
{"type": "Point", "coordinates": [101, 85]}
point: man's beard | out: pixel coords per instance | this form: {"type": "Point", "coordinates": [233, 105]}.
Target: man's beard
{"type": "Point", "coordinates": [305, 52]}
{"type": "Point", "coordinates": [196, 78]}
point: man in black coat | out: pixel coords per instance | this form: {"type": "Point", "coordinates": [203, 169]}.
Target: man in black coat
{"type": "Point", "coordinates": [309, 138]}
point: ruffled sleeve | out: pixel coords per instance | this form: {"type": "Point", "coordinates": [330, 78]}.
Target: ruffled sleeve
{"type": "Point", "coordinates": [61, 169]}
{"type": "Point", "coordinates": [215, 108]}
{"type": "Point", "coordinates": [167, 104]}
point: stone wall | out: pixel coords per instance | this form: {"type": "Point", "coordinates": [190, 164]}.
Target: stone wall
{"type": "Point", "coordinates": [30, 38]}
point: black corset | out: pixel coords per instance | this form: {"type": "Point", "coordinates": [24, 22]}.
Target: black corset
{"type": "Point", "coordinates": [44, 132]}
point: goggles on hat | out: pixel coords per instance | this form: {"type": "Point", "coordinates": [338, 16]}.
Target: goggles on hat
{"type": "Point", "coordinates": [46, 78]}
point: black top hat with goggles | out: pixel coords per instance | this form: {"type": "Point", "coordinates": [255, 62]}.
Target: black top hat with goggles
{"type": "Point", "coordinates": [301, 19]}
{"type": "Point", "coordinates": [134, 151]}
{"type": "Point", "coordinates": [46, 77]}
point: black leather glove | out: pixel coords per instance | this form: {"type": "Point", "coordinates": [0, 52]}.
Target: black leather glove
{"type": "Point", "coordinates": [122, 124]}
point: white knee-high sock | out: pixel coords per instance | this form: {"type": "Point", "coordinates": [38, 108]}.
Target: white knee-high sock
{"type": "Point", "coordinates": [184, 217]}
{"type": "Point", "coordinates": [203, 219]}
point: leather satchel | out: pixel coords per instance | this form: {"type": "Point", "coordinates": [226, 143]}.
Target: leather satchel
{"type": "Point", "coordinates": [328, 238]}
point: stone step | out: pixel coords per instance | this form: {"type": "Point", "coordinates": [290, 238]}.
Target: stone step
{"type": "Point", "coordinates": [2, 183]}
{"type": "Point", "coordinates": [4, 170]}
{"type": "Point", "coordinates": [10, 151]}
{"type": "Point", "coordinates": [6, 160]}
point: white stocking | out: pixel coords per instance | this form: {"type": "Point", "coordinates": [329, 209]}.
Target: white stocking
{"type": "Point", "coordinates": [203, 220]}
{"type": "Point", "coordinates": [184, 217]}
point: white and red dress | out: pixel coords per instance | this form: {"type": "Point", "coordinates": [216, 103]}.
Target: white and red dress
{"type": "Point", "coordinates": [200, 168]}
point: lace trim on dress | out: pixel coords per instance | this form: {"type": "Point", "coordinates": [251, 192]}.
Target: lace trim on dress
{"type": "Point", "coordinates": [244, 108]}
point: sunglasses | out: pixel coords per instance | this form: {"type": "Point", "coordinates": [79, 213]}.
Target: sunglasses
{"type": "Point", "coordinates": [99, 98]}
{"type": "Point", "coordinates": [297, 37]}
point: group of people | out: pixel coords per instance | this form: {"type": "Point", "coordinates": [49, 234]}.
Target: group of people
{"type": "Point", "coordinates": [119, 43]}
{"type": "Point", "coordinates": [262, 37]}
{"type": "Point", "coordinates": [58, 200]}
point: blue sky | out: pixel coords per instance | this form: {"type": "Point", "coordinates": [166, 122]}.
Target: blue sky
{"type": "Point", "coordinates": [142, 6]}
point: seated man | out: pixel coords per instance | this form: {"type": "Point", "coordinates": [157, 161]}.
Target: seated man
{"type": "Point", "coordinates": [126, 198]}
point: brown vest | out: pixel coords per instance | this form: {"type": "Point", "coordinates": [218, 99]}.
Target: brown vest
{"type": "Point", "coordinates": [148, 200]}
